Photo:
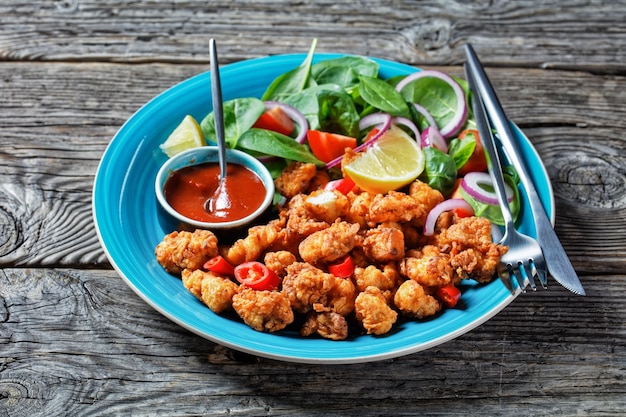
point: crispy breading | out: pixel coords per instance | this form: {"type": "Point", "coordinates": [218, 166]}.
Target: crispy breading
{"type": "Point", "coordinates": [330, 244]}
{"type": "Point", "coordinates": [373, 312]}
{"type": "Point", "coordinates": [295, 179]}
{"type": "Point", "coordinates": [264, 311]}
{"type": "Point", "coordinates": [413, 301]}
{"type": "Point", "coordinates": [182, 249]}
{"type": "Point", "coordinates": [327, 324]}
{"type": "Point", "coordinates": [429, 266]}
{"type": "Point", "coordinates": [384, 243]}
{"type": "Point", "coordinates": [279, 261]}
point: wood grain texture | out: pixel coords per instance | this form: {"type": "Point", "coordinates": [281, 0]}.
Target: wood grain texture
{"type": "Point", "coordinates": [73, 359]}
{"type": "Point", "coordinates": [546, 34]}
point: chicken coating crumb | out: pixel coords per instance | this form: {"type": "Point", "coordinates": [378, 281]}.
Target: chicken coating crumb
{"type": "Point", "coordinates": [412, 301]}
{"type": "Point", "coordinates": [373, 312]}
{"type": "Point", "coordinates": [250, 248]}
{"type": "Point", "coordinates": [394, 206]}
{"type": "Point", "coordinates": [295, 179]}
{"type": "Point", "coordinates": [327, 324]}
{"type": "Point", "coordinates": [217, 292]}
{"type": "Point", "coordinates": [279, 261]}
{"type": "Point", "coordinates": [192, 281]}
{"type": "Point", "coordinates": [429, 266]}
{"type": "Point", "coordinates": [186, 250]}
{"type": "Point", "coordinates": [472, 252]}
{"type": "Point", "coordinates": [371, 276]}
{"type": "Point", "coordinates": [330, 244]}
{"type": "Point", "coordinates": [384, 243]}
{"type": "Point", "coordinates": [326, 205]}
{"type": "Point", "coordinates": [305, 286]}
{"type": "Point", "coordinates": [264, 311]}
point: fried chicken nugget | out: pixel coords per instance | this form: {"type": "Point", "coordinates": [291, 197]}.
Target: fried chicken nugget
{"type": "Point", "coordinates": [473, 254]}
{"type": "Point", "coordinates": [326, 205]}
{"type": "Point", "coordinates": [264, 311]}
{"type": "Point", "coordinates": [186, 250]}
{"type": "Point", "coordinates": [429, 266]}
{"type": "Point", "coordinates": [384, 243]}
{"type": "Point", "coordinates": [295, 179]}
{"type": "Point", "coordinates": [413, 301]}
{"type": "Point", "coordinates": [327, 324]}
{"type": "Point", "coordinates": [330, 244]}
{"type": "Point", "coordinates": [373, 312]}
{"type": "Point", "coordinates": [214, 290]}
{"type": "Point", "coordinates": [306, 286]}
{"type": "Point", "coordinates": [251, 247]}
{"type": "Point", "coordinates": [395, 206]}
{"type": "Point", "coordinates": [279, 261]}
{"type": "Point", "coordinates": [371, 276]}
{"type": "Point", "coordinates": [426, 197]}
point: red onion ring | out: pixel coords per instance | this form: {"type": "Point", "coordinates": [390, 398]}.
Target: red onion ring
{"type": "Point", "coordinates": [370, 120]}
{"type": "Point", "coordinates": [471, 185]}
{"type": "Point", "coordinates": [460, 114]}
{"type": "Point", "coordinates": [446, 205]}
{"type": "Point", "coordinates": [431, 137]}
{"type": "Point", "coordinates": [399, 120]}
{"type": "Point", "coordinates": [422, 110]}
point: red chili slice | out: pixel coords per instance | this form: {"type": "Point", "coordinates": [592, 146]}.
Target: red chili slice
{"type": "Point", "coordinates": [342, 269]}
{"type": "Point", "coordinates": [449, 295]}
{"type": "Point", "coordinates": [219, 265]}
{"type": "Point", "coordinates": [256, 276]}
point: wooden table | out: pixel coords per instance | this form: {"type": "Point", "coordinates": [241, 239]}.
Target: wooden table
{"type": "Point", "coordinates": [76, 341]}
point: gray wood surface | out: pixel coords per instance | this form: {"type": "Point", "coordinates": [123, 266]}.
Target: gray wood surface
{"type": "Point", "coordinates": [76, 341]}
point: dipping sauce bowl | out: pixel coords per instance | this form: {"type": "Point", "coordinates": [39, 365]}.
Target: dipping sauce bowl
{"type": "Point", "coordinates": [188, 179]}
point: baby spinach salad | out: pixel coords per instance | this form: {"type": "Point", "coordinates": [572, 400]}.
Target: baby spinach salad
{"type": "Point", "coordinates": [346, 97]}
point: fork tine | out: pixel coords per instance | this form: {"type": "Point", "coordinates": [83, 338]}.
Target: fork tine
{"type": "Point", "coordinates": [542, 274]}
{"type": "Point", "coordinates": [514, 271]}
{"type": "Point", "coordinates": [505, 277]}
{"type": "Point", "coordinates": [529, 273]}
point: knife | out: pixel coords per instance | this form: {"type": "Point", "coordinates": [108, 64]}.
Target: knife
{"type": "Point", "coordinates": [559, 265]}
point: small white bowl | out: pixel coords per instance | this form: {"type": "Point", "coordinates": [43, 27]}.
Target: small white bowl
{"type": "Point", "coordinates": [205, 154]}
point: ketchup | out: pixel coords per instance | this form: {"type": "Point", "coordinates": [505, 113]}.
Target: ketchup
{"type": "Point", "coordinates": [189, 189]}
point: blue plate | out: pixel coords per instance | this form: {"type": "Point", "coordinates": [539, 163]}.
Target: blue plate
{"type": "Point", "coordinates": [130, 224]}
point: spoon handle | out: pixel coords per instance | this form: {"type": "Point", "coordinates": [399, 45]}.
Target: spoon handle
{"type": "Point", "coordinates": [218, 111]}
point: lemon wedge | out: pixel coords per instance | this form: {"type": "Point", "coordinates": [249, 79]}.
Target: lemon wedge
{"type": "Point", "coordinates": [392, 162]}
{"type": "Point", "coordinates": [188, 134]}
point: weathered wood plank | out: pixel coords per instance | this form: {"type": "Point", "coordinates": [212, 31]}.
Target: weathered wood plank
{"type": "Point", "coordinates": [55, 129]}
{"type": "Point", "coordinates": [67, 336]}
{"type": "Point", "coordinates": [547, 34]}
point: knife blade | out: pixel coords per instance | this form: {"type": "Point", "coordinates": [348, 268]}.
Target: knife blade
{"type": "Point", "coordinates": [559, 265]}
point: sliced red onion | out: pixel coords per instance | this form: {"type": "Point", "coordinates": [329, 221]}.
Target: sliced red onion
{"type": "Point", "coordinates": [429, 117]}
{"type": "Point", "coordinates": [472, 182]}
{"type": "Point", "coordinates": [431, 137]}
{"type": "Point", "coordinates": [460, 114]}
{"type": "Point", "coordinates": [398, 120]}
{"type": "Point", "coordinates": [373, 120]}
{"type": "Point", "coordinates": [446, 205]}
{"type": "Point", "coordinates": [295, 115]}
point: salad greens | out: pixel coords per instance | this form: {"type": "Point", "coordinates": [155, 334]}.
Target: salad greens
{"type": "Point", "coordinates": [334, 95]}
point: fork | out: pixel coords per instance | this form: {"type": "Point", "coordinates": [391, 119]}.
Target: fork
{"type": "Point", "coordinates": [524, 259]}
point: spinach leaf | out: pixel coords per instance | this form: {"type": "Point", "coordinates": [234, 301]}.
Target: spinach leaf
{"type": "Point", "coordinates": [239, 116]}
{"type": "Point", "coordinates": [461, 150]}
{"type": "Point", "coordinates": [435, 95]}
{"type": "Point", "coordinates": [344, 71]}
{"type": "Point", "coordinates": [383, 96]}
{"type": "Point", "coordinates": [439, 170]}
{"type": "Point", "coordinates": [292, 81]}
{"type": "Point", "coordinates": [327, 107]}
{"type": "Point", "coordinates": [275, 144]}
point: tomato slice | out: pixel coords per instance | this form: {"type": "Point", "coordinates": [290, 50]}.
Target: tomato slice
{"type": "Point", "coordinates": [343, 185]}
{"type": "Point", "coordinates": [477, 162]}
{"type": "Point", "coordinates": [256, 276]}
{"type": "Point", "coordinates": [276, 120]}
{"type": "Point", "coordinates": [448, 295]}
{"type": "Point", "coordinates": [342, 269]}
{"type": "Point", "coordinates": [327, 146]}
{"type": "Point", "coordinates": [219, 265]}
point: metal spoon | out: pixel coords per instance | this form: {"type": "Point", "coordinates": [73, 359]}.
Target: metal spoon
{"type": "Point", "coordinates": [219, 201]}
